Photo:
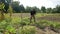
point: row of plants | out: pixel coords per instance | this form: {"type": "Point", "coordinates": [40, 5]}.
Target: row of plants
{"type": "Point", "coordinates": [10, 25]}
{"type": "Point", "coordinates": [15, 25]}
{"type": "Point", "coordinates": [42, 24]}
{"type": "Point", "coordinates": [55, 26]}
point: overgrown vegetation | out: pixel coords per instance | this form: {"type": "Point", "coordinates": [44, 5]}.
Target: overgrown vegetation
{"type": "Point", "coordinates": [15, 25]}
{"type": "Point", "coordinates": [18, 25]}
{"type": "Point", "coordinates": [12, 26]}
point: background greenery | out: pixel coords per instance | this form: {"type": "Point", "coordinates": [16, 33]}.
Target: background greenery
{"type": "Point", "coordinates": [21, 25]}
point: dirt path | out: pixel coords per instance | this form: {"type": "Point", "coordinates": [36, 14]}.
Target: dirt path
{"type": "Point", "coordinates": [47, 31]}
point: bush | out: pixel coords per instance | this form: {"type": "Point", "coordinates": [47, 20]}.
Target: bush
{"type": "Point", "coordinates": [42, 24]}
{"type": "Point", "coordinates": [11, 29]}
{"type": "Point", "coordinates": [27, 30]}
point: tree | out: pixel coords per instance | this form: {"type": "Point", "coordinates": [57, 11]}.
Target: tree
{"type": "Point", "coordinates": [16, 6]}
{"type": "Point", "coordinates": [58, 8]}
{"type": "Point", "coordinates": [43, 9]}
{"type": "Point", "coordinates": [6, 3]}
{"type": "Point", "coordinates": [36, 9]}
{"type": "Point", "coordinates": [1, 10]}
{"type": "Point", "coordinates": [6, 7]}
{"type": "Point", "coordinates": [3, 1]}
{"type": "Point", "coordinates": [49, 10]}
{"type": "Point", "coordinates": [28, 9]}
{"type": "Point", "coordinates": [22, 8]}
{"type": "Point", "coordinates": [10, 10]}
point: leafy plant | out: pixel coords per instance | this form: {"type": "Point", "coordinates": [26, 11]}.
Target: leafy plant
{"type": "Point", "coordinates": [11, 29]}
{"type": "Point", "coordinates": [27, 30]}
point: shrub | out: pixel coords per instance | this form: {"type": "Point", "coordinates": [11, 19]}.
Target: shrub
{"type": "Point", "coordinates": [11, 29]}
{"type": "Point", "coordinates": [27, 30]}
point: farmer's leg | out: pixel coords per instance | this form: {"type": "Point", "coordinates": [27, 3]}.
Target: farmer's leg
{"type": "Point", "coordinates": [31, 18]}
{"type": "Point", "coordinates": [34, 18]}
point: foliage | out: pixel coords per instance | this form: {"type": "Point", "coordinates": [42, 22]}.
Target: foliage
{"type": "Point", "coordinates": [11, 24]}
{"type": "Point", "coordinates": [14, 23]}
{"type": "Point", "coordinates": [27, 30]}
{"type": "Point", "coordinates": [10, 10]}
{"type": "Point", "coordinates": [2, 10]}
{"type": "Point", "coordinates": [16, 6]}
{"type": "Point", "coordinates": [44, 23]}
{"type": "Point", "coordinates": [2, 6]}
{"type": "Point", "coordinates": [11, 29]}
{"type": "Point", "coordinates": [28, 9]}
{"type": "Point", "coordinates": [49, 10]}
{"type": "Point", "coordinates": [20, 8]}
{"type": "Point", "coordinates": [6, 3]}
{"type": "Point", "coordinates": [43, 9]}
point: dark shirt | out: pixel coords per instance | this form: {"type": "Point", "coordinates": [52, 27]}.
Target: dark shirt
{"type": "Point", "coordinates": [33, 12]}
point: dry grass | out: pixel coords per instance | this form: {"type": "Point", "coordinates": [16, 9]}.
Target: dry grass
{"type": "Point", "coordinates": [39, 16]}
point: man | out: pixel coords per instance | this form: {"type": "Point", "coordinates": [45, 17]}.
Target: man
{"type": "Point", "coordinates": [32, 13]}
